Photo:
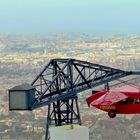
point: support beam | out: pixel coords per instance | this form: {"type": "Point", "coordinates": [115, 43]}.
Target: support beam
{"type": "Point", "coordinates": [63, 112]}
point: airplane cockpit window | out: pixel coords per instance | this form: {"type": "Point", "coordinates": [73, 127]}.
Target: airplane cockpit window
{"type": "Point", "coordinates": [125, 101]}
{"type": "Point", "coordinates": [131, 101]}
{"type": "Point", "coordinates": [134, 101]}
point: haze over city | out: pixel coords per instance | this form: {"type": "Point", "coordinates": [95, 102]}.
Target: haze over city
{"type": "Point", "coordinates": [95, 17]}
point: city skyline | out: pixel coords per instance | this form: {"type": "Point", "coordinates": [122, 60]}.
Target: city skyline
{"type": "Point", "coordinates": [67, 16]}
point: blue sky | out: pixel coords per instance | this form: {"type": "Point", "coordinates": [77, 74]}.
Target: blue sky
{"type": "Point", "coordinates": [69, 16]}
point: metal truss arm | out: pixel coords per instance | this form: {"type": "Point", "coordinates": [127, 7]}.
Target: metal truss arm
{"type": "Point", "coordinates": [63, 78]}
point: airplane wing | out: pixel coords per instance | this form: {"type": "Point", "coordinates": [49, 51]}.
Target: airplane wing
{"type": "Point", "coordinates": [111, 97]}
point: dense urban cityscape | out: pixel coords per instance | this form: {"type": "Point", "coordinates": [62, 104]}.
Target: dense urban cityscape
{"type": "Point", "coordinates": [22, 57]}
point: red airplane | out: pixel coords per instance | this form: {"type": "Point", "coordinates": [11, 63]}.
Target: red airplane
{"type": "Point", "coordinates": [124, 100]}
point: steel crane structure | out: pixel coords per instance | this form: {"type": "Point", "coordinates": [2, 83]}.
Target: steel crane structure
{"type": "Point", "coordinates": [58, 84]}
